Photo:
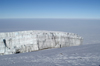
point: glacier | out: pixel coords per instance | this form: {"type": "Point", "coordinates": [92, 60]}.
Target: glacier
{"type": "Point", "coordinates": [33, 40]}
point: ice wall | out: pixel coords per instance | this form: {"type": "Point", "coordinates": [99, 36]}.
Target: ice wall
{"type": "Point", "coordinates": [27, 41]}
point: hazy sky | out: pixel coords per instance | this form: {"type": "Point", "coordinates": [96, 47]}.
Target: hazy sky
{"type": "Point", "coordinates": [50, 9]}
{"type": "Point", "coordinates": [89, 29]}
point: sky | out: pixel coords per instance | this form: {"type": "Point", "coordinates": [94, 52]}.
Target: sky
{"type": "Point", "coordinates": [88, 9]}
{"type": "Point", "coordinates": [81, 17]}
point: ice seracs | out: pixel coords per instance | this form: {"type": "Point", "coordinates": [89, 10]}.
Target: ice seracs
{"type": "Point", "coordinates": [27, 41]}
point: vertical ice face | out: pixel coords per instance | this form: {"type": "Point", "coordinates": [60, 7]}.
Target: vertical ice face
{"type": "Point", "coordinates": [27, 41]}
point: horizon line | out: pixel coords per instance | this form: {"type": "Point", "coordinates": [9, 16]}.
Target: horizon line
{"type": "Point", "coordinates": [53, 18]}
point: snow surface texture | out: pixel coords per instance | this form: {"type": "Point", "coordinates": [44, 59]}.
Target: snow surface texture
{"type": "Point", "coordinates": [83, 55]}
{"type": "Point", "coordinates": [27, 41]}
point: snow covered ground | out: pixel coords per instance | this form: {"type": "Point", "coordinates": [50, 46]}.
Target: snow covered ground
{"type": "Point", "coordinates": [84, 55]}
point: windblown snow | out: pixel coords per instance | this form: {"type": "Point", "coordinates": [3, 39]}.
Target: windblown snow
{"type": "Point", "coordinates": [83, 55]}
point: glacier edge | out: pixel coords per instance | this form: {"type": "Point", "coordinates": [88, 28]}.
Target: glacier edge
{"type": "Point", "coordinates": [33, 40]}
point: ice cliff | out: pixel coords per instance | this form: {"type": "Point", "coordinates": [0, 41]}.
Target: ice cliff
{"type": "Point", "coordinates": [27, 41]}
